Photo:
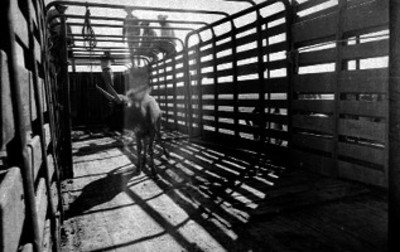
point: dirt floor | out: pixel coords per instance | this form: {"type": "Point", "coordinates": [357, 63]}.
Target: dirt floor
{"type": "Point", "coordinates": [208, 198]}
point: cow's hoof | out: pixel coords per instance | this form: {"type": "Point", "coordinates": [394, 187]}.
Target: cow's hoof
{"type": "Point", "coordinates": [136, 172]}
{"type": "Point", "coordinates": [154, 176]}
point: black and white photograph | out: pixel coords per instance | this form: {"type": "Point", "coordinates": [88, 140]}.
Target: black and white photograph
{"type": "Point", "coordinates": [200, 125]}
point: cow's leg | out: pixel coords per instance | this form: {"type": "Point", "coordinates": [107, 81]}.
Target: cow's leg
{"type": "Point", "coordinates": [151, 154]}
{"type": "Point", "coordinates": [139, 153]}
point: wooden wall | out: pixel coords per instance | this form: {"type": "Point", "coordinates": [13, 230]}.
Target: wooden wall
{"type": "Point", "coordinates": [31, 161]}
{"type": "Point", "coordinates": [324, 68]}
{"type": "Point", "coordinates": [340, 89]}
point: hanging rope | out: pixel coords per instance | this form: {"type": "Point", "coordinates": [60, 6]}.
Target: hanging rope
{"type": "Point", "coordinates": [89, 37]}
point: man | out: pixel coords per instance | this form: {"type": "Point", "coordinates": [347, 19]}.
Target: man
{"type": "Point", "coordinates": [167, 48]}
{"type": "Point", "coordinates": [55, 33]}
{"type": "Point", "coordinates": [129, 30]}
{"type": "Point", "coordinates": [147, 45]}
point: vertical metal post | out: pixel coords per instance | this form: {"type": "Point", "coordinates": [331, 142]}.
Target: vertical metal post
{"type": "Point", "coordinates": [199, 88]}
{"type": "Point", "coordinates": [21, 155]}
{"type": "Point", "coordinates": [39, 106]}
{"type": "Point", "coordinates": [188, 104]}
{"type": "Point", "coordinates": [290, 13]}
{"type": "Point", "coordinates": [261, 82]}
{"type": "Point", "coordinates": [67, 145]}
{"type": "Point", "coordinates": [235, 80]}
{"type": "Point", "coordinates": [174, 92]}
{"type": "Point", "coordinates": [394, 126]}
{"type": "Point", "coordinates": [215, 69]}
{"type": "Point", "coordinates": [165, 92]}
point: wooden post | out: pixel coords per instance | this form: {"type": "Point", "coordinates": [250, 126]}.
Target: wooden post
{"type": "Point", "coordinates": [67, 145]}
{"type": "Point", "coordinates": [394, 126]}
{"type": "Point", "coordinates": [341, 14]}
{"type": "Point", "coordinates": [21, 153]}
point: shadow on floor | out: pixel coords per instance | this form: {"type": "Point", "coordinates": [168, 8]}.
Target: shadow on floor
{"type": "Point", "coordinates": [248, 203]}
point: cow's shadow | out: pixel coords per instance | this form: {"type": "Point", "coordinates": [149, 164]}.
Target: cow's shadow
{"type": "Point", "coordinates": [100, 191]}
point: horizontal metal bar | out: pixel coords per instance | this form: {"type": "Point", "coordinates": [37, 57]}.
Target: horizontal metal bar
{"type": "Point", "coordinates": [133, 26]}
{"type": "Point", "coordinates": [122, 41]}
{"type": "Point", "coordinates": [172, 21]}
{"type": "Point", "coordinates": [133, 7]}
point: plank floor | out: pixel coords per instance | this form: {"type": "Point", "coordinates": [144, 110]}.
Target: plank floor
{"type": "Point", "coordinates": [208, 198]}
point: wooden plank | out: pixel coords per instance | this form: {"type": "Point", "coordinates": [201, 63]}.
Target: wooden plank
{"type": "Point", "coordinates": [47, 134]}
{"type": "Point", "coordinates": [47, 244]}
{"type": "Point", "coordinates": [361, 173]}
{"type": "Point", "coordinates": [319, 106]}
{"type": "Point", "coordinates": [363, 108]}
{"type": "Point", "coordinates": [366, 50]}
{"type": "Point", "coordinates": [42, 203]}
{"type": "Point", "coordinates": [315, 83]}
{"type": "Point", "coordinates": [366, 15]}
{"type": "Point", "coordinates": [313, 162]}
{"type": "Point", "coordinates": [324, 26]}
{"type": "Point", "coordinates": [316, 123]}
{"type": "Point", "coordinates": [369, 154]}
{"type": "Point", "coordinates": [43, 94]}
{"type": "Point", "coordinates": [26, 85]}
{"type": "Point", "coordinates": [315, 142]}
{"type": "Point", "coordinates": [309, 4]}
{"type": "Point", "coordinates": [50, 161]}
{"type": "Point", "coordinates": [12, 209]}
{"type": "Point", "coordinates": [6, 112]}
{"type": "Point", "coordinates": [364, 81]}
{"type": "Point", "coordinates": [363, 129]}
{"type": "Point", "coordinates": [28, 247]}
{"type": "Point", "coordinates": [317, 57]}
{"type": "Point", "coordinates": [38, 54]}
{"type": "Point", "coordinates": [21, 29]}
{"type": "Point", "coordinates": [35, 155]}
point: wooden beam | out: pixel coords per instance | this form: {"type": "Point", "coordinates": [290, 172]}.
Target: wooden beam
{"type": "Point", "coordinates": [394, 126]}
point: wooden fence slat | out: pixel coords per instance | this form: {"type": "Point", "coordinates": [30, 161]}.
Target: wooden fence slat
{"type": "Point", "coordinates": [21, 29]}
{"type": "Point", "coordinates": [35, 155]}
{"type": "Point", "coordinates": [314, 83]}
{"type": "Point", "coordinates": [321, 27]}
{"type": "Point", "coordinates": [12, 209]}
{"type": "Point", "coordinates": [366, 15]}
{"type": "Point", "coordinates": [363, 108]}
{"type": "Point", "coordinates": [313, 142]}
{"type": "Point", "coordinates": [317, 57]}
{"type": "Point", "coordinates": [310, 4]}
{"type": "Point", "coordinates": [366, 50]}
{"type": "Point", "coordinates": [361, 173]}
{"type": "Point", "coordinates": [316, 123]}
{"type": "Point", "coordinates": [320, 106]}
{"type": "Point", "coordinates": [362, 152]}
{"type": "Point", "coordinates": [363, 129]}
{"type": "Point", "coordinates": [313, 162]}
{"type": "Point", "coordinates": [364, 81]}
{"type": "Point", "coordinates": [6, 113]}
{"type": "Point", "coordinates": [42, 203]}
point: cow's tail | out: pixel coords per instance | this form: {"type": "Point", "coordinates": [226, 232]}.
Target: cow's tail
{"type": "Point", "coordinates": [159, 138]}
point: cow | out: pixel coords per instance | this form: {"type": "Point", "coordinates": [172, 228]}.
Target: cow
{"type": "Point", "coordinates": [143, 117]}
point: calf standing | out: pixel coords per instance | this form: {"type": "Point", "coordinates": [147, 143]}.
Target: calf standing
{"type": "Point", "coordinates": [143, 117]}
